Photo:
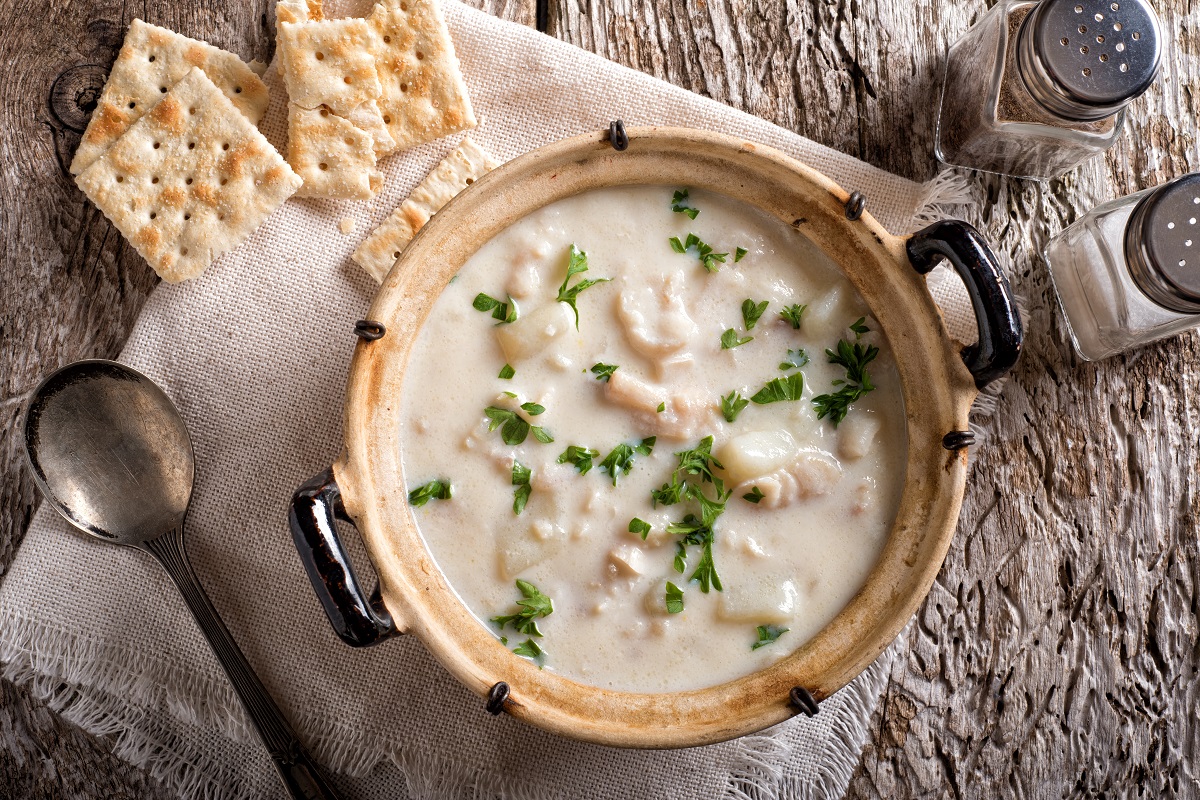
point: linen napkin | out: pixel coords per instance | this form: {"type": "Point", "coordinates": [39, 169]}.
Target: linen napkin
{"type": "Point", "coordinates": [255, 354]}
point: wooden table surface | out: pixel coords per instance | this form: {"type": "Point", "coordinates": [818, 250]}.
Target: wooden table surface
{"type": "Point", "coordinates": [1057, 652]}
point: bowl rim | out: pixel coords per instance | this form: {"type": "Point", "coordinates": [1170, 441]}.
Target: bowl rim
{"type": "Point", "coordinates": [936, 386]}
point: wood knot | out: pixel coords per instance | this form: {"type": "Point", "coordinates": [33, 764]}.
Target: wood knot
{"type": "Point", "coordinates": [74, 95]}
{"type": "Point", "coordinates": [497, 697]}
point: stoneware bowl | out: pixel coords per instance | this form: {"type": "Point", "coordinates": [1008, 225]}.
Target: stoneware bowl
{"type": "Point", "coordinates": [939, 379]}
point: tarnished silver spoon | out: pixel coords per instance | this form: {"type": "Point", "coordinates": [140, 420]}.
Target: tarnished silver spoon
{"type": "Point", "coordinates": [112, 455]}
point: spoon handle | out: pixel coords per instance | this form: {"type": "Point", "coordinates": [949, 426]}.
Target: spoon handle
{"type": "Point", "coordinates": [300, 774]}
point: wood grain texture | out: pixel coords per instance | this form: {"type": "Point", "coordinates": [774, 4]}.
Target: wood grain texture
{"type": "Point", "coordinates": [1057, 653]}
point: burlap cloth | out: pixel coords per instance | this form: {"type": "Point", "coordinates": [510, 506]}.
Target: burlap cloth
{"type": "Point", "coordinates": [255, 355]}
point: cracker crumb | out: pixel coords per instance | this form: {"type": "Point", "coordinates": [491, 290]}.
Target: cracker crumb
{"type": "Point", "coordinates": [346, 225]}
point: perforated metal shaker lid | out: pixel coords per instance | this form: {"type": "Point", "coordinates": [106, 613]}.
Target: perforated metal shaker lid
{"type": "Point", "coordinates": [1086, 59]}
{"type": "Point", "coordinates": [1162, 245]}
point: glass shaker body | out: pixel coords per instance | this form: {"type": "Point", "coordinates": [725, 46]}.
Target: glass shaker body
{"type": "Point", "coordinates": [998, 114]}
{"type": "Point", "coordinates": [1106, 311]}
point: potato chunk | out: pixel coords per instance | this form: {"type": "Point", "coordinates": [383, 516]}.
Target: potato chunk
{"type": "Point", "coordinates": [534, 332]}
{"type": "Point", "coordinates": [755, 454]}
{"type": "Point", "coordinates": [761, 600]}
{"type": "Point", "coordinates": [856, 434]}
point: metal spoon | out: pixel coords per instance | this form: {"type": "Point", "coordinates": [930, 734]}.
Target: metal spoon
{"type": "Point", "coordinates": [112, 455]}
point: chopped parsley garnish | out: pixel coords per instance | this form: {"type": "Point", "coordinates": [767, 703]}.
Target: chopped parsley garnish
{"type": "Point", "coordinates": [507, 372]}
{"type": "Point", "coordinates": [739, 254]}
{"type": "Point", "coordinates": [754, 495]}
{"type": "Point", "coordinates": [640, 526]}
{"type": "Point", "coordinates": [787, 388]}
{"type": "Point", "coordinates": [732, 405]}
{"type": "Point", "coordinates": [661, 407]}
{"type": "Point", "coordinates": [581, 457]}
{"type": "Point", "coordinates": [793, 314]}
{"type": "Point", "coordinates": [576, 263]}
{"type": "Point", "coordinates": [751, 311]}
{"type": "Point", "coordinates": [704, 252]}
{"type": "Point", "coordinates": [521, 476]}
{"type": "Point", "coordinates": [533, 605]}
{"type": "Point", "coordinates": [505, 312]}
{"type": "Point", "coordinates": [674, 598]}
{"type": "Point", "coordinates": [434, 490]}
{"type": "Point", "coordinates": [529, 648]}
{"type": "Point", "coordinates": [854, 357]}
{"type": "Point", "coordinates": [859, 328]}
{"type": "Point", "coordinates": [699, 461]}
{"type": "Point", "coordinates": [768, 634]}
{"type": "Point", "coordinates": [513, 428]}
{"type": "Point", "coordinates": [697, 533]}
{"type": "Point", "coordinates": [679, 204]}
{"type": "Point", "coordinates": [533, 409]}
{"type": "Point", "coordinates": [795, 360]}
{"type": "Point", "coordinates": [620, 460]}
{"type": "Point", "coordinates": [603, 371]}
{"type": "Point", "coordinates": [730, 340]}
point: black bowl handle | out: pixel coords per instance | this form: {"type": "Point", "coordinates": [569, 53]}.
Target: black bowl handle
{"type": "Point", "coordinates": [359, 620]}
{"type": "Point", "coordinates": [995, 310]}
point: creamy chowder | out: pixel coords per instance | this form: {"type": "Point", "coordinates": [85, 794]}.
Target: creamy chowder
{"type": "Point", "coordinates": [684, 483]}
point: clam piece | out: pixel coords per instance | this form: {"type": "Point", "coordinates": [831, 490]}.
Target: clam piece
{"type": "Point", "coordinates": [655, 319]}
{"type": "Point", "coordinates": [534, 332]}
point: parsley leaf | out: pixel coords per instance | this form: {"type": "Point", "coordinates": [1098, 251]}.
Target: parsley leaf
{"type": "Point", "coordinates": [434, 490]}
{"type": "Point", "coordinates": [698, 533]}
{"type": "Point", "coordinates": [768, 634]}
{"type": "Point", "coordinates": [708, 259]}
{"type": "Point", "coordinates": [513, 428]}
{"type": "Point", "coordinates": [739, 254]}
{"type": "Point", "coordinates": [521, 478]}
{"type": "Point", "coordinates": [854, 357]}
{"type": "Point", "coordinates": [661, 407]}
{"type": "Point", "coordinates": [754, 495]}
{"type": "Point", "coordinates": [698, 461]}
{"type": "Point", "coordinates": [751, 311]}
{"type": "Point", "coordinates": [529, 649]}
{"type": "Point", "coordinates": [533, 605]}
{"type": "Point", "coordinates": [787, 388]}
{"type": "Point", "coordinates": [500, 311]}
{"type": "Point", "coordinates": [507, 372]}
{"type": "Point", "coordinates": [679, 204]}
{"type": "Point", "coordinates": [620, 460]}
{"type": "Point", "coordinates": [576, 263]}
{"type": "Point", "coordinates": [603, 371]}
{"type": "Point", "coordinates": [732, 405]}
{"type": "Point", "coordinates": [581, 457]}
{"type": "Point", "coordinates": [730, 340]}
{"type": "Point", "coordinates": [795, 360]}
{"type": "Point", "coordinates": [674, 598]}
{"type": "Point", "coordinates": [859, 328]}
{"type": "Point", "coordinates": [640, 526]}
{"type": "Point", "coordinates": [793, 314]}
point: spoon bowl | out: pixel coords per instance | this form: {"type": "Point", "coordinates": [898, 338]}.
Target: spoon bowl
{"type": "Point", "coordinates": [110, 452]}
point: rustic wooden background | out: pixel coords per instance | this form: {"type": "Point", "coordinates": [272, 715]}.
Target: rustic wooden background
{"type": "Point", "coordinates": [1057, 654]}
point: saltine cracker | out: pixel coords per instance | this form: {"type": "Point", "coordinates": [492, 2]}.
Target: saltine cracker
{"type": "Point", "coordinates": [151, 61]}
{"type": "Point", "coordinates": [190, 180]}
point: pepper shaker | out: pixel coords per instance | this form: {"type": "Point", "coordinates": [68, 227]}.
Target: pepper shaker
{"type": "Point", "coordinates": [1128, 271]}
{"type": "Point", "coordinates": [1036, 88]}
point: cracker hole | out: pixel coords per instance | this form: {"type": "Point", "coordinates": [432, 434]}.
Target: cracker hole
{"type": "Point", "coordinates": [133, 105]}
{"type": "Point", "coordinates": [220, 217]}
{"type": "Point", "coordinates": [162, 89]}
{"type": "Point", "coordinates": [186, 217]}
{"type": "Point", "coordinates": [192, 110]}
{"type": "Point", "coordinates": [420, 56]}
{"type": "Point", "coordinates": [225, 146]}
{"type": "Point", "coordinates": [154, 179]}
{"type": "Point", "coordinates": [188, 181]}
{"type": "Point", "coordinates": [396, 254]}
{"type": "Point", "coordinates": [224, 181]}
{"type": "Point", "coordinates": [324, 112]}
{"type": "Point", "coordinates": [153, 215]}
{"type": "Point", "coordinates": [151, 58]}
{"type": "Point", "coordinates": [157, 145]}
{"type": "Point", "coordinates": [183, 251]}
{"type": "Point", "coordinates": [349, 141]}
{"type": "Point", "coordinates": [237, 90]}
{"type": "Point", "coordinates": [191, 145]}
{"type": "Point", "coordinates": [470, 181]}
{"type": "Point", "coordinates": [404, 6]}
{"type": "Point", "coordinates": [120, 179]}
{"type": "Point", "coordinates": [387, 118]}
{"type": "Point", "coordinates": [320, 56]}
{"type": "Point", "coordinates": [323, 165]}
{"type": "Point", "coordinates": [347, 79]}
{"type": "Point", "coordinates": [387, 40]}
{"type": "Point", "coordinates": [404, 87]}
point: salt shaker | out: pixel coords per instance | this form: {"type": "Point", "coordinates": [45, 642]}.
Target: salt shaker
{"type": "Point", "coordinates": [1128, 271]}
{"type": "Point", "coordinates": [1036, 88]}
